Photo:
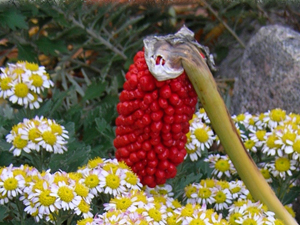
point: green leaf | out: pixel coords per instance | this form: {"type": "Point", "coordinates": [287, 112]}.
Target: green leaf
{"type": "Point", "coordinates": [101, 124]}
{"type": "Point", "coordinates": [94, 90]}
{"type": "Point", "coordinates": [51, 47]}
{"type": "Point", "coordinates": [26, 52]}
{"type": "Point", "coordinates": [13, 19]}
{"type": "Point", "coordinates": [3, 212]}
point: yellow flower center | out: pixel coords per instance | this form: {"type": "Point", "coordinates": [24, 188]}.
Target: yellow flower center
{"type": "Point", "coordinates": [204, 193]}
{"type": "Point", "coordinates": [123, 203]}
{"type": "Point", "coordinates": [33, 134]}
{"type": "Point", "coordinates": [201, 135]}
{"type": "Point", "coordinates": [85, 221]}
{"type": "Point", "coordinates": [249, 144]}
{"type": "Point", "coordinates": [197, 222]}
{"type": "Point", "coordinates": [253, 211]}
{"type": "Point", "coordinates": [172, 220]}
{"type": "Point", "coordinates": [31, 66]}
{"type": "Point", "coordinates": [271, 142]}
{"type": "Point", "coordinates": [282, 164]}
{"type": "Point", "coordinates": [260, 134]}
{"type": "Point", "coordinates": [155, 214]}
{"type": "Point", "coordinates": [296, 146]}
{"type": "Point", "coordinates": [189, 190]}
{"type": "Point", "coordinates": [21, 90]}
{"type": "Point", "coordinates": [236, 189]}
{"type": "Point", "coordinates": [191, 151]}
{"type": "Point", "coordinates": [187, 210]}
{"type": "Point", "coordinates": [265, 172]}
{"type": "Point", "coordinates": [10, 184]}
{"type": "Point", "coordinates": [277, 115]}
{"type": "Point", "coordinates": [110, 167]}
{"type": "Point", "coordinates": [49, 137]}
{"type": "Point", "coordinates": [223, 184]}
{"type": "Point", "coordinates": [56, 128]}
{"type": "Point", "coordinates": [81, 190]}
{"type": "Point", "coordinates": [19, 143]}
{"type": "Point", "coordinates": [288, 136]}
{"type": "Point", "coordinates": [46, 199]}
{"type": "Point", "coordinates": [4, 83]}
{"type": "Point", "coordinates": [240, 117]}
{"type": "Point", "coordinates": [65, 193]}
{"type": "Point", "coordinates": [37, 80]}
{"type": "Point", "coordinates": [18, 71]}
{"type": "Point", "coordinates": [91, 180]}
{"type": "Point", "coordinates": [131, 178]}
{"type": "Point", "coordinates": [234, 217]}
{"type": "Point", "coordinates": [112, 181]}
{"type": "Point", "coordinates": [220, 197]}
{"type": "Point", "coordinates": [249, 222]}
{"type": "Point", "coordinates": [93, 163]}
{"type": "Point", "coordinates": [84, 207]}
{"type": "Point", "coordinates": [188, 137]}
{"type": "Point", "coordinates": [222, 165]}
{"type": "Point", "coordinates": [208, 183]}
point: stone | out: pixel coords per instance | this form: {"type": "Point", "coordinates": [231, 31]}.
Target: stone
{"type": "Point", "coordinates": [268, 74]}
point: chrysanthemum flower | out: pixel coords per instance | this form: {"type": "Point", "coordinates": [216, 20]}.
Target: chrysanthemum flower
{"type": "Point", "coordinates": [65, 195]}
{"type": "Point", "coordinates": [222, 165]}
{"type": "Point", "coordinates": [11, 185]}
{"type": "Point", "coordinates": [155, 216]}
{"type": "Point", "coordinates": [91, 179]}
{"type": "Point", "coordinates": [286, 138]}
{"type": "Point", "coordinates": [274, 117]}
{"type": "Point", "coordinates": [282, 167]}
{"type": "Point", "coordinates": [223, 198]}
{"type": "Point", "coordinates": [271, 147]}
{"type": "Point", "coordinates": [238, 189]}
{"type": "Point", "coordinates": [113, 183]}
{"type": "Point", "coordinates": [201, 136]}
{"type": "Point", "coordinates": [84, 209]}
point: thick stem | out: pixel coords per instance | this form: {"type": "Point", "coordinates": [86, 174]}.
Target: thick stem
{"type": "Point", "coordinates": [181, 50]}
{"type": "Point", "coordinates": [206, 88]}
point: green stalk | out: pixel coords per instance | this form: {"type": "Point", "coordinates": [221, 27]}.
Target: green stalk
{"type": "Point", "coordinates": [206, 88]}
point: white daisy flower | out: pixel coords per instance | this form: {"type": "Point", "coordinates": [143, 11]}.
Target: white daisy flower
{"type": "Point", "coordinates": [274, 117]}
{"type": "Point", "coordinates": [91, 178]}
{"type": "Point", "coordinates": [238, 189]}
{"type": "Point", "coordinates": [50, 141]}
{"type": "Point", "coordinates": [223, 198]}
{"type": "Point", "coordinates": [113, 182]}
{"type": "Point", "coordinates": [283, 166]}
{"type": "Point", "coordinates": [201, 136]}
{"type": "Point", "coordinates": [205, 195]}
{"type": "Point", "coordinates": [84, 209]}
{"type": "Point", "coordinates": [249, 219]}
{"type": "Point", "coordinates": [286, 138]}
{"type": "Point", "coordinates": [270, 147]}
{"type": "Point", "coordinates": [243, 118]}
{"type": "Point", "coordinates": [5, 86]}
{"type": "Point", "coordinates": [66, 197]}
{"type": "Point", "coordinates": [258, 137]}
{"type": "Point", "coordinates": [155, 216]}
{"type": "Point", "coordinates": [222, 165]}
{"type": "Point", "coordinates": [11, 185]}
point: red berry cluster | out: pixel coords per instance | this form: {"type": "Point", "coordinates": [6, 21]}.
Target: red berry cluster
{"type": "Point", "coordinates": [152, 123]}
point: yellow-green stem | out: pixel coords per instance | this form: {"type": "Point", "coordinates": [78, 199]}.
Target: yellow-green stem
{"type": "Point", "coordinates": [206, 88]}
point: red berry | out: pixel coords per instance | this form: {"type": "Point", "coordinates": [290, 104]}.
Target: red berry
{"type": "Point", "coordinates": [165, 91]}
{"type": "Point", "coordinates": [153, 121]}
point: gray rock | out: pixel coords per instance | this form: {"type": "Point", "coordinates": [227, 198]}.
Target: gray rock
{"type": "Point", "coordinates": [268, 74]}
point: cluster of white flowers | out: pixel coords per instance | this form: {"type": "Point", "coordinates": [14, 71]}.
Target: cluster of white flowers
{"type": "Point", "coordinates": [45, 194]}
{"type": "Point", "coordinates": [22, 83]}
{"type": "Point", "coordinates": [273, 135]}
{"type": "Point", "coordinates": [37, 133]}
